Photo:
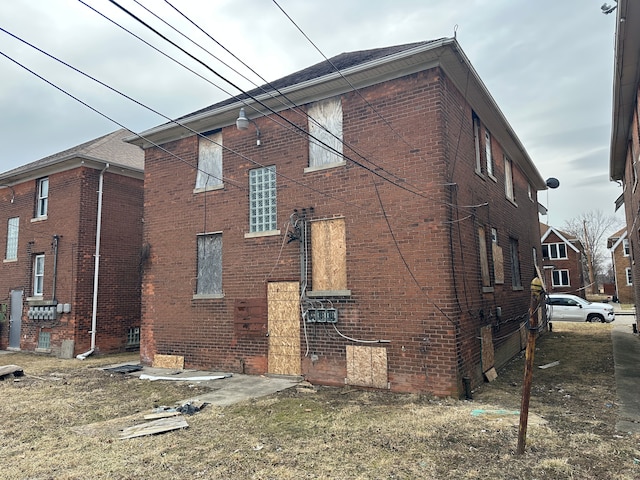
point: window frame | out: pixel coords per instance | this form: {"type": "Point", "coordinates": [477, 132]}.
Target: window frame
{"type": "Point", "coordinates": [516, 271]}
{"type": "Point", "coordinates": [326, 123]}
{"type": "Point", "coordinates": [210, 150]}
{"type": "Point", "coordinates": [509, 186]}
{"type": "Point", "coordinates": [13, 233]}
{"type": "Point", "coordinates": [629, 275]}
{"type": "Point", "coordinates": [209, 280]}
{"type": "Point", "coordinates": [38, 275]}
{"type": "Point", "coordinates": [557, 246]}
{"type": "Point", "coordinates": [476, 142]}
{"type": "Point", "coordinates": [42, 198]}
{"type": "Point", "coordinates": [563, 274]}
{"type": "Point", "coordinates": [488, 155]}
{"type": "Point", "coordinates": [267, 189]}
{"type": "Point", "coordinates": [625, 247]}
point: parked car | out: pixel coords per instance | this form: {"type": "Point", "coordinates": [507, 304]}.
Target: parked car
{"type": "Point", "coordinates": [562, 306]}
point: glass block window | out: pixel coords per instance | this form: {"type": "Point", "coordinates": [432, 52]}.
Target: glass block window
{"type": "Point", "coordinates": [133, 336]}
{"type": "Point", "coordinates": [13, 226]}
{"type": "Point", "coordinates": [262, 199]}
{"type": "Point", "coordinates": [44, 340]}
{"type": "Point", "coordinates": [209, 264]}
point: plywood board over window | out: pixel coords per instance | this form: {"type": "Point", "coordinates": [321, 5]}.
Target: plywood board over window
{"type": "Point", "coordinates": [329, 256]}
{"type": "Point", "coordinates": [488, 357]}
{"type": "Point", "coordinates": [367, 366]}
{"type": "Point", "coordinates": [498, 263]}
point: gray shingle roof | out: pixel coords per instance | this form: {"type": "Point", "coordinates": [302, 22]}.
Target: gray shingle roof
{"type": "Point", "coordinates": [326, 67]}
{"type": "Point", "coordinates": [108, 148]}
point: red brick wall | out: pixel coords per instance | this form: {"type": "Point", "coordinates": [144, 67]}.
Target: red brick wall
{"type": "Point", "coordinates": [632, 198]}
{"type": "Point", "coordinates": [431, 315]}
{"type": "Point", "coordinates": [72, 216]}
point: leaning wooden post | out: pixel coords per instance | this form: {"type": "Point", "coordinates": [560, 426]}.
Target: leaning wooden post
{"type": "Point", "coordinates": [536, 299]}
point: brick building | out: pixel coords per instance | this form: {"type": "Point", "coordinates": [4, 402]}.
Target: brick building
{"type": "Point", "coordinates": [625, 134]}
{"type": "Point", "coordinates": [375, 227]}
{"type": "Point", "coordinates": [618, 245]}
{"type": "Point", "coordinates": [49, 296]}
{"type": "Point", "coordinates": [562, 261]}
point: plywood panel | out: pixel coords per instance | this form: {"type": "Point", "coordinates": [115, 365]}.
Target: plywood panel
{"type": "Point", "coordinates": [367, 366]}
{"type": "Point", "coordinates": [283, 311]}
{"type": "Point", "coordinates": [168, 361]}
{"type": "Point", "coordinates": [498, 263]}
{"type": "Point", "coordinates": [488, 359]}
{"type": "Point", "coordinates": [328, 255]}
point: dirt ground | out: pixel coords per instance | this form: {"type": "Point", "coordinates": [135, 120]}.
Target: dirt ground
{"type": "Point", "coordinates": [63, 420]}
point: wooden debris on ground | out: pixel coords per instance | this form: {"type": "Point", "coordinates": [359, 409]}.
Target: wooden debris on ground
{"type": "Point", "coordinates": [7, 370]}
{"type": "Point", "coordinates": [155, 426]}
{"type": "Point", "coordinates": [549, 365]}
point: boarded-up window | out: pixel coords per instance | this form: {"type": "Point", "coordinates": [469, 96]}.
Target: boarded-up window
{"type": "Point", "coordinates": [325, 125]}
{"type": "Point", "coordinates": [209, 264]}
{"type": "Point", "coordinates": [498, 259]}
{"type": "Point", "coordinates": [367, 366]}
{"type": "Point", "coordinates": [328, 255]}
{"type": "Point", "coordinates": [484, 261]}
{"type": "Point", "coordinates": [508, 179]}
{"type": "Point", "coordinates": [516, 281]}
{"type": "Point", "coordinates": [209, 161]}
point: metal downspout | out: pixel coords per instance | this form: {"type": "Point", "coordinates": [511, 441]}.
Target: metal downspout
{"type": "Point", "coordinates": [83, 356]}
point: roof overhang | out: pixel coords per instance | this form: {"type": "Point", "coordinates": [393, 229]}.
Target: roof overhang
{"type": "Point", "coordinates": [67, 163]}
{"type": "Point", "coordinates": [625, 83]}
{"type": "Point", "coordinates": [560, 236]}
{"type": "Point", "coordinates": [445, 53]}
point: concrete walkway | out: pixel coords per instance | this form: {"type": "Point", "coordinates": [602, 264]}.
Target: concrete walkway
{"type": "Point", "coordinates": [626, 355]}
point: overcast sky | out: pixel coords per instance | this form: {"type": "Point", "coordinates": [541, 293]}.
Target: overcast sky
{"type": "Point", "coordinates": [548, 65]}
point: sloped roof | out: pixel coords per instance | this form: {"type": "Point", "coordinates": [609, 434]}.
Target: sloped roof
{"type": "Point", "coordinates": [340, 62]}
{"type": "Point", "coordinates": [342, 74]}
{"type": "Point", "coordinates": [546, 230]}
{"type": "Point", "coordinates": [614, 240]}
{"type": "Point", "coordinates": [109, 148]}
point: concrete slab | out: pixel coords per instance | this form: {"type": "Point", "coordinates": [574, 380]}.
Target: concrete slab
{"type": "Point", "coordinates": [234, 388]}
{"type": "Point", "coordinates": [626, 354]}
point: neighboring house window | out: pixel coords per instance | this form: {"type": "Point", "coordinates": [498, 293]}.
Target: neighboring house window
{"type": "Point", "coordinates": [325, 125]}
{"type": "Point", "coordinates": [554, 251]}
{"type": "Point", "coordinates": [262, 199]}
{"type": "Point", "coordinates": [42, 202]}
{"type": "Point", "coordinates": [625, 247]}
{"type": "Point", "coordinates": [508, 179]}
{"type": "Point", "coordinates": [629, 277]}
{"type": "Point", "coordinates": [560, 278]}
{"type": "Point", "coordinates": [487, 151]}
{"type": "Point", "coordinates": [516, 281]}
{"type": "Point", "coordinates": [38, 275]}
{"type": "Point", "coordinates": [209, 264]}
{"type": "Point", "coordinates": [476, 142]}
{"type": "Point", "coordinates": [209, 162]}
{"type": "Point", "coordinates": [329, 255]}
{"type": "Point", "coordinates": [13, 226]}
{"type": "Point", "coordinates": [484, 259]}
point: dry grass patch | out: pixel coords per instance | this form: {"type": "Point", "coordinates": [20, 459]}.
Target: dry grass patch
{"type": "Point", "coordinates": [67, 428]}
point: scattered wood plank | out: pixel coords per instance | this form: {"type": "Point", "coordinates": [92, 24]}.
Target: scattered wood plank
{"type": "Point", "coordinates": [202, 378]}
{"type": "Point", "coordinates": [11, 369]}
{"type": "Point", "coordinates": [165, 414]}
{"type": "Point", "coordinates": [491, 374]}
{"type": "Point", "coordinates": [549, 365]}
{"type": "Point", "coordinates": [156, 426]}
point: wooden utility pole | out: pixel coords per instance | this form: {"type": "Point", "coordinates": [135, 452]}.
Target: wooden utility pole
{"type": "Point", "coordinates": [588, 251]}
{"type": "Point", "coordinates": [537, 297]}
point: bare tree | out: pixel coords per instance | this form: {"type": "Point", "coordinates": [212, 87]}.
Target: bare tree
{"type": "Point", "coordinates": [592, 229]}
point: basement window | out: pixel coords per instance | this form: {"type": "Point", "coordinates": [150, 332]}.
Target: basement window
{"type": "Point", "coordinates": [133, 336]}
{"type": "Point", "coordinates": [44, 341]}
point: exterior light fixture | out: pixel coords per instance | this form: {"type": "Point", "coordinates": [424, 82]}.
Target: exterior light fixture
{"type": "Point", "coordinates": [242, 123]}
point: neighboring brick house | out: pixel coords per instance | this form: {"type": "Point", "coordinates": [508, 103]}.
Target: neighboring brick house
{"type": "Point", "coordinates": [618, 245]}
{"type": "Point", "coordinates": [562, 261]}
{"type": "Point", "coordinates": [624, 161]}
{"type": "Point", "coordinates": [392, 250]}
{"type": "Point", "coordinates": [52, 255]}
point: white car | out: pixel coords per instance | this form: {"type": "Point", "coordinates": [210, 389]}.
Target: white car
{"type": "Point", "coordinates": [571, 308]}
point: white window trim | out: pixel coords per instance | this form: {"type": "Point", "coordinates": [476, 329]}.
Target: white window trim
{"type": "Point", "coordinates": [625, 247]}
{"type": "Point", "coordinates": [553, 282]}
{"type": "Point", "coordinates": [627, 271]}
{"type": "Point", "coordinates": [548, 245]}
{"type": "Point", "coordinates": [40, 293]}
{"type": "Point", "coordinates": [42, 199]}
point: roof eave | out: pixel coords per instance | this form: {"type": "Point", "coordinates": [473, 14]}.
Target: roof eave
{"type": "Point", "coordinates": [445, 53]}
{"type": "Point", "coordinates": [625, 83]}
